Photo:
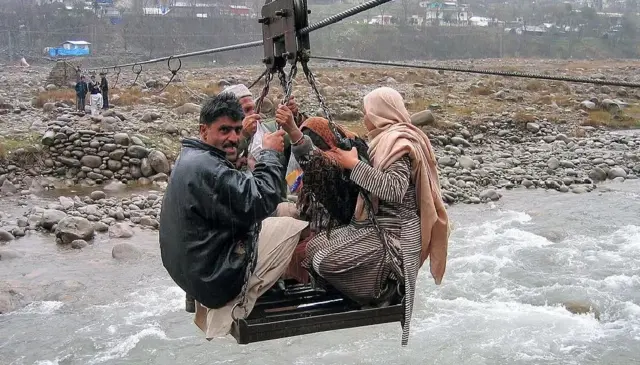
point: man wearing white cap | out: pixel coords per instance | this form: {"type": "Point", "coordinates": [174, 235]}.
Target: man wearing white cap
{"type": "Point", "coordinates": [250, 124]}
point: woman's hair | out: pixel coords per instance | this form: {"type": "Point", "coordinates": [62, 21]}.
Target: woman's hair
{"type": "Point", "coordinates": [328, 196]}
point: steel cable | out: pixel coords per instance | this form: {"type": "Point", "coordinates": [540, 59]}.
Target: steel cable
{"type": "Point", "coordinates": [321, 24]}
{"type": "Point", "coordinates": [486, 72]}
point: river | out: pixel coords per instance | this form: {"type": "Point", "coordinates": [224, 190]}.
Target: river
{"type": "Point", "coordinates": [511, 265]}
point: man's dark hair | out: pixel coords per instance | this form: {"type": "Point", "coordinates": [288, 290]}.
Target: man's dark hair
{"type": "Point", "coordinates": [223, 105]}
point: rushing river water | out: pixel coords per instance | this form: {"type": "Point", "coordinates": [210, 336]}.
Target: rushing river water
{"type": "Point", "coordinates": [511, 266]}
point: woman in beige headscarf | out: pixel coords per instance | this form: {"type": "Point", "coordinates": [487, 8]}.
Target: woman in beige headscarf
{"type": "Point", "coordinates": [406, 198]}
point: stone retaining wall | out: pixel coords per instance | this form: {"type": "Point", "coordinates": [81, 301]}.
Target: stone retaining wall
{"type": "Point", "coordinates": [63, 74]}
{"type": "Point", "coordinates": [97, 157]}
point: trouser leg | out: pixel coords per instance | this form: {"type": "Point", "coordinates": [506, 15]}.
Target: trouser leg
{"type": "Point", "coordinates": [276, 243]}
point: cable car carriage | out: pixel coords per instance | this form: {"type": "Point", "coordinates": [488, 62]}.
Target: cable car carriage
{"type": "Point", "coordinates": [300, 309]}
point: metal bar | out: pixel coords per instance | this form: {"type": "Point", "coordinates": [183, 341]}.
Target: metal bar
{"type": "Point", "coordinates": [485, 72]}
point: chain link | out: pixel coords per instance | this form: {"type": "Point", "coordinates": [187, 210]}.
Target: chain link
{"type": "Point", "coordinates": [288, 88]}
{"type": "Point", "coordinates": [287, 85]}
{"type": "Point", "coordinates": [247, 276]}
{"type": "Point", "coordinates": [342, 142]}
{"type": "Point", "coordinates": [265, 91]}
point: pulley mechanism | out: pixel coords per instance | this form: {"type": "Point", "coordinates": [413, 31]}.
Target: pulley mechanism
{"type": "Point", "coordinates": [281, 20]}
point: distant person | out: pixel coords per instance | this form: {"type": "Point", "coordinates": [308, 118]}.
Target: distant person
{"type": "Point", "coordinates": [81, 93]}
{"type": "Point", "coordinates": [96, 96]}
{"type": "Point", "coordinates": [104, 88]}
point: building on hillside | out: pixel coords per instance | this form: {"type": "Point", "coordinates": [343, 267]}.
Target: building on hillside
{"type": "Point", "coordinates": [446, 12]}
{"type": "Point", "coordinates": [69, 49]}
{"type": "Point", "coordinates": [194, 9]}
{"type": "Point", "coordinates": [383, 20]}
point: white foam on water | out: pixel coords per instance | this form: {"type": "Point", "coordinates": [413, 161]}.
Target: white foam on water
{"type": "Point", "coordinates": [154, 302]}
{"type": "Point", "coordinates": [39, 308]}
{"type": "Point", "coordinates": [504, 288]}
{"type": "Point", "coordinates": [121, 348]}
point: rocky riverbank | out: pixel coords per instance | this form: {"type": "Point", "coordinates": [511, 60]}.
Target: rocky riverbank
{"type": "Point", "coordinates": [489, 133]}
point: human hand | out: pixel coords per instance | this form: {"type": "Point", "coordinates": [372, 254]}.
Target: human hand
{"type": "Point", "coordinates": [284, 118]}
{"type": "Point", "coordinates": [293, 106]}
{"type": "Point", "coordinates": [345, 159]}
{"type": "Point", "coordinates": [250, 124]}
{"type": "Point", "coordinates": [274, 141]}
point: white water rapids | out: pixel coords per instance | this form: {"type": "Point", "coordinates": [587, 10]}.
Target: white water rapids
{"type": "Point", "coordinates": [511, 267]}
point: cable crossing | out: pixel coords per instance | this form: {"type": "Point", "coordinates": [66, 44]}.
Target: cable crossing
{"type": "Point", "coordinates": [485, 72]}
{"type": "Point", "coordinates": [304, 31]}
{"type": "Point", "coordinates": [285, 28]}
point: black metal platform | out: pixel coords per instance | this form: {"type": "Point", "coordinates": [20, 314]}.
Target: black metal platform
{"type": "Point", "coordinates": [301, 310]}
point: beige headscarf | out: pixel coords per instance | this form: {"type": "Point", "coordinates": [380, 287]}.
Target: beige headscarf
{"type": "Point", "coordinates": [393, 137]}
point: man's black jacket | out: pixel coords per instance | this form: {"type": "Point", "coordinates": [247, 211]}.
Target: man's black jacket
{"type": "Point", "coordinates": [209, 211]}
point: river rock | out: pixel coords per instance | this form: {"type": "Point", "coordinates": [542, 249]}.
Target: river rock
{"type": "Point", "coordinates": [159, 162]}
{"type": "Point", "coordinates": [78, 244]}
{"type": "Point", "coordinates": [466, 162]}
{"type": "Point", "coordinates": [188, 108]}
{"type": "Point", "coordinates": [122, 139]}
{"type": "Point", "coordinates": [48, 138]}
{"type": "Point", "coordinates": [616, 172]}
{"type": "Point", "coordinates": [91, 161]}
{"type": "Point", "coordinates": [136, 151]}
{"type": "Point", "coordinates": [553, 163]}
{"type": "Point", "coordinates": [597, 174]}
{"type": "Point", "coordinates": [490, 194]}
{"type": "Point", "coordinates": [423, 118]}
{"type": "Point", "coordinates": [97, 195]}
{"type": "Point", "coordinates": [533, 127]}
{"type": "Point", "coordinates": [5, 236]}
{"type": "Point", "coordinates": [100, 227]}
{"type": "Point", "coordinates": [66, 202]}
{"type": "Point", "coordinates": [120, 230]}
{"type": "Point", "coordinates": [125, 252]}
{"type": "Point", "coordinates": [51, 217]}
{"type": "Point", "coordinates": [9, 254]}
{"type": "Point", "coordinates": [145, 168]}
{"type": "Point", "coordinates": [70, 229]}
{"type": "Point", "coordinates": [8, 188]}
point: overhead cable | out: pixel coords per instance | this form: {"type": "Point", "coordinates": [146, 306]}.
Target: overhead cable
{"type": "Point", "coordinates": [321, 24]}
{"type": "Point", "coordinates": [486, 72]}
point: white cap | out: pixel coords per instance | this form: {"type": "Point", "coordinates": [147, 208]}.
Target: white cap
{"type": "Point", "coordinates": [240, 91]}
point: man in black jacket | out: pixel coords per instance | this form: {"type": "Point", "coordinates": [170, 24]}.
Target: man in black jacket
{"type": "Point", "coordinates": [81, 93]}
{"type": "Point", "coordinates": [213, 218]}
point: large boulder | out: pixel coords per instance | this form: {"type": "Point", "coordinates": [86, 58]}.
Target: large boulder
{"type": "Point", "coordinates": [74, 228]}
{"type": "Point", "coordinates": [159, 162]}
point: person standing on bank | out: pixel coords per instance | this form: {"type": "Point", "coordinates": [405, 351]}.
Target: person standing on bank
{"type": "Point", "coordinates": [104, 88]}
{"type": "Point", "coordinates": [81, 93]}
{"type": "Point", "coordinates": [214, 218]}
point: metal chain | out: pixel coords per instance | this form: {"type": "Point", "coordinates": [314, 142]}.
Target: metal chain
{"type": "Point", "coordinates": [342, 142]}
{"type": "Point", "coordinates": [258, 79]}
{"type": "Point", "coordinates": [247, 275]}
{"type": "Point", "coordinates": [312, 82]}
{"type": "Point", "coordinates": [288, 87]}
{"type": "Point", "coordinates": [265, 91]}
